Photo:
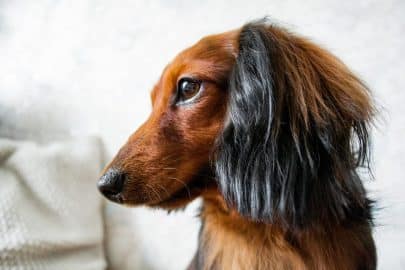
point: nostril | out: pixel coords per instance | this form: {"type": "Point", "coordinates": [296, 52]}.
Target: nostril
{"type": "Point", "coordinates": [111, 183]}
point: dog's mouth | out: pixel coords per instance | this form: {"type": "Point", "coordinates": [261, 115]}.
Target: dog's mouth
{"type": "Point", "coordinates": [177, 199]}
{"type": "Point", "coordinates": [119, 188]}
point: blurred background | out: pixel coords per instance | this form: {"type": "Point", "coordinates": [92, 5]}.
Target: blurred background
{"type": "Point", "coordinates": [78, 68]}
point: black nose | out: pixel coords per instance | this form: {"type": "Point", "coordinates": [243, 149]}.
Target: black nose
{"type": "Point", "coordinates": [111, 184]}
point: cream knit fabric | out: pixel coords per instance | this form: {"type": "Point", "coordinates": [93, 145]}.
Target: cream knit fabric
{"type": "Point", "coordinates": [50, 210]}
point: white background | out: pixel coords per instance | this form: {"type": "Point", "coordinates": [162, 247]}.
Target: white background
{"type": "Point", "coordinates": [72, 68]}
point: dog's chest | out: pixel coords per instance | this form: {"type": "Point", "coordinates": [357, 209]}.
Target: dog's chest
{"type": "Point", "coordinates": [227, 244]}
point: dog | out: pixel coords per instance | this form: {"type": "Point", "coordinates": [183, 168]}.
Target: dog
{"type": "Point", "coordinates": [270, 130]}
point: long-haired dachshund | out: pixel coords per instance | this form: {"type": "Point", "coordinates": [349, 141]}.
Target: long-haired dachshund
{"type": "Point", "coordinates": [269, 130]}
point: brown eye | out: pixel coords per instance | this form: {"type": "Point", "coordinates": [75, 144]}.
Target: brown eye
{"type": "Point", "coordinates": [187, 89]}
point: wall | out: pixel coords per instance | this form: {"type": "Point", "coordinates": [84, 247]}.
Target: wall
{"type": "Point", "coordinates": [70, 68]}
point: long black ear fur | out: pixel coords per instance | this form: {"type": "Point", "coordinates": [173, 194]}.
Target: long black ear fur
{"type": "Point", "coordinates": [295, 135]}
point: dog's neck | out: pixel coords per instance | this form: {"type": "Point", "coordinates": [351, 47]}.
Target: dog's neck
{"type": "Point", "coordinates": [230, 241]}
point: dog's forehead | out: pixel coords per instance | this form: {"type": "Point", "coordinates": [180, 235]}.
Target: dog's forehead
{"type": "Point", "coordinates": [211, 46]}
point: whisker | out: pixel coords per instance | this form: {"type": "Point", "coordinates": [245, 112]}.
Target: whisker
{"type": "Point", "coordinates": [184, 184]}
{"type": "Point", "coordinates": [163, 188]}
{"type": "Point", "coordinates": [154, 191]}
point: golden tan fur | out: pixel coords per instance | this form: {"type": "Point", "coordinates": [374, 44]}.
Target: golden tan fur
{"type": "Point", "coordinates": [229, 241]}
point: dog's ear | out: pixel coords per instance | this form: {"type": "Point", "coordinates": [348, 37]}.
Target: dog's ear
{"type": "Point", "coordinates": [296, 132]}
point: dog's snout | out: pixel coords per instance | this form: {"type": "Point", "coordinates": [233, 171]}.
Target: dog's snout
{"type": "Point", "coordinates": [111, 184]}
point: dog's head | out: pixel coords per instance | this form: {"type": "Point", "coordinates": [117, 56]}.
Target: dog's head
{"type": "Point", "coordinates": [271, 122]}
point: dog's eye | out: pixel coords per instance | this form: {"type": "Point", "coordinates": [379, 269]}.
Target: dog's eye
{"type": "Point", "coordinates": [187, 89]}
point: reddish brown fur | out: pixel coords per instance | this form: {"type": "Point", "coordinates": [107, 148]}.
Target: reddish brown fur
{"type": "Point", "coordinates": [167, 158]}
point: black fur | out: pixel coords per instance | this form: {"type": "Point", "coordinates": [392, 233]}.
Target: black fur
{"type": "Point", "coordinates": [267, 170]}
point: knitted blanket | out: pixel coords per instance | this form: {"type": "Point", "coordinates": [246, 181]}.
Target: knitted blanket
{"type": "Point", "coordinates": [50, 211]}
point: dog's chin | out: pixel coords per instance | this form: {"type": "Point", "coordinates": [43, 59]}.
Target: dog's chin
{"type": "Point", "coordinates": [180, 198]}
